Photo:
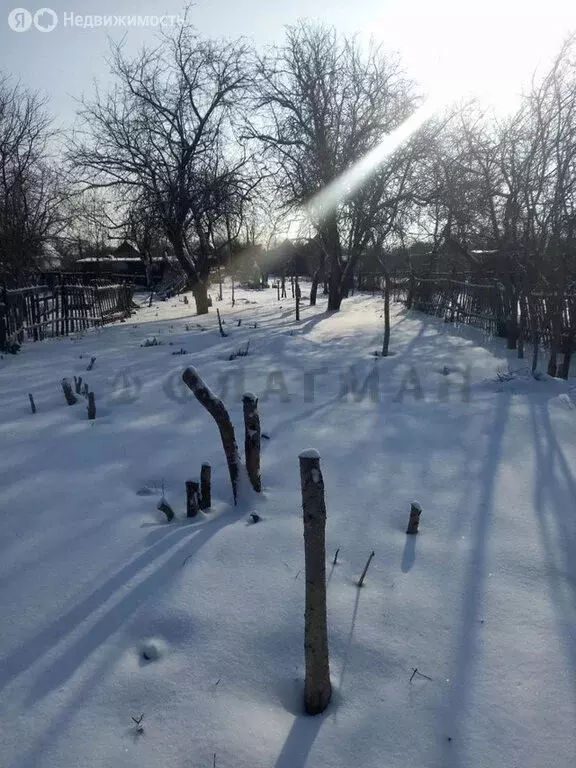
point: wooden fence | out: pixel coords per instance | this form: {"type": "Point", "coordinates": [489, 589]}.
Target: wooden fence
{"type": "Point", "coordinates": [37, 312]}
{"type": "Point", "coordinates": [538, 316]}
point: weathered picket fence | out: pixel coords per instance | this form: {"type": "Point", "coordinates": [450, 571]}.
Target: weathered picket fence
{"type": "Point", "coordinates": [39, 311]}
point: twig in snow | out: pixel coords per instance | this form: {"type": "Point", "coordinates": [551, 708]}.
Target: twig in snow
{"type": "Point", "coordinates": [32, 404]}
{"type": "Point", "coordinates": [91, 364]}
{"type": "Point", "coordinates": [138, 721]}
{"type": "Point", "coordinates": [222, 332]}
{"type": "Point", "coordinates": [361, 581]}
{"type": "Point", "coordinates": [336, 557]}
{"type": "Point", "coordinates": [420, 674]}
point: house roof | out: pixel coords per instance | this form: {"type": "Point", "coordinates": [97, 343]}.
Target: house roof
{"type": "Point", "coordinates": [126, 248]}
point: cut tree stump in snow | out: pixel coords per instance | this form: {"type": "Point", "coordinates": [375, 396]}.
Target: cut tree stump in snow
{"type": "Point", "coordinates": [68, 394]}
{"type": "Point", "coordinates": [78, 384]}
{"type": "Point", "coordinates": [163, 506]}
{"type": "Point", "coordinates": [91, 406]}
{"type": "Point", "coordinates": [32, 404]}
{"type": "Point", "coordinates": [217, 410]}
{"type": "Point", "coordinates": [192, 498]}
{"type": "Point", "coordinates": [252, 439]}
{"type": "Point", "coordinates": [415, 512]}
{"type": "Point", "coordinates": [205, 486]}
{"type": "Point", "coordinates": [318, 689]}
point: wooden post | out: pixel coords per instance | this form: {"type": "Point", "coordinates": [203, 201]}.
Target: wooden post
{"type": "Point", "coordinates": [217, 410]}
{"type": "Point", "coordinates": [68, 394]}
{"type": "Point", "coordinates": [386, 341]}
{"type": "Point", "coordinates": [318, 689]}
{"type": "Point", "coordinates": [252, 439]}
{"type": "Point", "coordinates": [415, 512]}
{"type": "Point", "coordinates": [91, 406]}
{"type": "Point", "coordinates": [205, 486]}
{"type": "Point", "coordinates": [298, 294]}
{"type": "Point", "coordinates": [192, 500]}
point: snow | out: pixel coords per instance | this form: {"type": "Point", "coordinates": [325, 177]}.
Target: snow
{"type": "Point", "coordinates": [309, 453]}
{"type": "Point", "coordinates": [481, 602]}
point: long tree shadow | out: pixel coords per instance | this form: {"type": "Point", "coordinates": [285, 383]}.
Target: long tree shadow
{"type": "Point", "coordinates": [73, 657]}
{"type": "Point", "coordinates": [36, 647]}
{"type": "Point", "coordinates": [554, 494]}
{"type": "Point", "coordinates": [409, 554]}
{"type": "Point", "coordinates": [452, 716]}
{"type": "Point", "coordinates": [299, 742]}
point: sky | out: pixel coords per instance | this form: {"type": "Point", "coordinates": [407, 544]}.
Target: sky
{"type": "Point", "coordinates": [449, 46]}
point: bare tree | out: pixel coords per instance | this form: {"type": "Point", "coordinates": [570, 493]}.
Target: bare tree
{"type": "Point", "coordinates": [324, 103]}
{"type": "Point", "coordinates": [166, 131]}
{"type": "Point", "coordinates": [31, 194]}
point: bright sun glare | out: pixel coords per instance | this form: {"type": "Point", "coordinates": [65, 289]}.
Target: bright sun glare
{"type": "Point", "coordinates": [488, 50]}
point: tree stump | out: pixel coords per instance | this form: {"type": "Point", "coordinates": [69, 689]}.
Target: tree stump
{"type": "Point", "coordinates": [318, 689]}
{"type": "Point", "coordinates": [217, 410]}
{"type": "Point", "coordinates": [91, 406]}
{"type": "Point", "coordinates": [252, 439]}
{"type": "Point", "coordinates": [415, 512]}
{"type": "Point", "coordinates": [163, 506]}
{"type": "Point", "coordinates": [68, 394]}
{"type": "Point", "coordinates": [205, 486]}
{"type": "Point", "coordinates": [192, 498]}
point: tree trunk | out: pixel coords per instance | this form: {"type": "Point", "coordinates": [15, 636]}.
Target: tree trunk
{"type": "Point", "coordinates": [200, 291]}
{"type": "Point", "coordinates": [298, 294]}
{"type": "Point", "coordinates": [217, 410]}
{"type": "Point", "coordinates": [314, 288]}
{"type": "Point", "coordinates": [335, 288]}
{"type": "Point", "coordinates": [252, 439]}
{"type": "Point", "coordinates": [318, 690]}
{"type": "Point", "coordinates": [535, 336]}
{"type": "Point", "coordinates": [522, 326]}
{"type": "Point", "coordinates": [205, 486]}
{"type": "Point", "coordinates": [386, 342]}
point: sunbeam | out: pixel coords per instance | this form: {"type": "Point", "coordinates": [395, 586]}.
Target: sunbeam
{"type": "Point", "coordinates": [326, 201]}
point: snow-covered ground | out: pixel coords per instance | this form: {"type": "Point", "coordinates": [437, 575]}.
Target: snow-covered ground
{"type": "Point", "coordinates": [482, 602]}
